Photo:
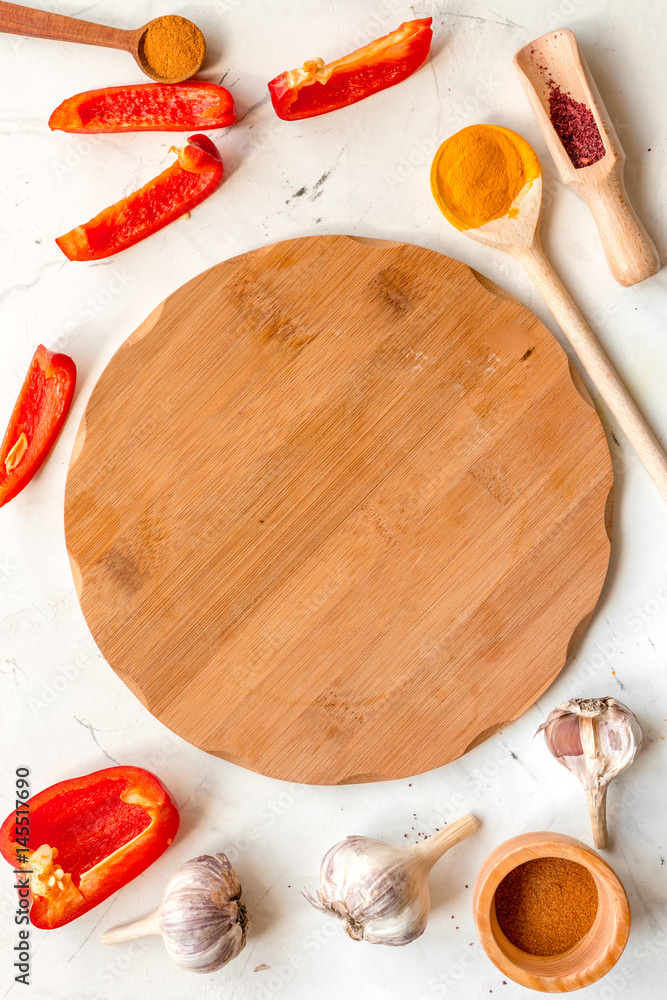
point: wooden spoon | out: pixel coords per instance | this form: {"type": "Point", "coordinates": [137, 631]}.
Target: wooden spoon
{"type": "Point", "coordinates": [16, 19]}
{"type": "Point", "coordinates": [554, 60]}
{"type": "Point", "coordinates": [518, 234]}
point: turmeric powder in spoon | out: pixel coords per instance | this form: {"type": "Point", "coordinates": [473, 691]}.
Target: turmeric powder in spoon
{"type": "Point", "coordinates": [487, 181]}
{"type": "Point", "coordinates": [479, 173]}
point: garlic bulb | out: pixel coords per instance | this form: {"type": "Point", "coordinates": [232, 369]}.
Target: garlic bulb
{"type": "Point", "coordinates": [381, 892]}
{"type": "Point", "coordinates": [596, 739]}
{"type": "Point", "coordinates": [202, 919]}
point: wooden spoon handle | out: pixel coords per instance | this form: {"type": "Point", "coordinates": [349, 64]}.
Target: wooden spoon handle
{"type": "Point", "coordinates": [628, 248]}
{"type": "Point", "coordinates": [15, 19]}
{"type": "Point", "coordinates": [597, 364]}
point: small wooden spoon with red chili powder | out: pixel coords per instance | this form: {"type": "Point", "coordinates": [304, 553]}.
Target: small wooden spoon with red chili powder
{"type": "Point", "coordinates": [167, 49]}
{"type": "Point", "coordinates": [585, 148]}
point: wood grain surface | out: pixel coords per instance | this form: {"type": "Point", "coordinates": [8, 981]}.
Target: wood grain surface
{"type": "Point", "coordinates": [336, 509]}
{"type": "Point", "coordinates": [17, 19]}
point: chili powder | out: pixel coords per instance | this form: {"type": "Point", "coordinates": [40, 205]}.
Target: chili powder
{"type": "Point", "coordinates": [576, 128]}
{"type": "Point", "coordinates": [172, 47]}
{"type": "Point", "coordinates": [546, 905]}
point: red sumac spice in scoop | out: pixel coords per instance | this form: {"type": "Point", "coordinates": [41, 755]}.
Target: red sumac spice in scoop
{"type": "Point", "coordinates": [576, 128]}
{"type": "Point", "coordinates": [546, 905]}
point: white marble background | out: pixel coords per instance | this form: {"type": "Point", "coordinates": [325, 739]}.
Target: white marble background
{"type": "Point", "coordinates": [63, 711]}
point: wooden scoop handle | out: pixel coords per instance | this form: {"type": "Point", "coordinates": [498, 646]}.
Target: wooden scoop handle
{"type": "Point", "coordinates": [630, 253]}
{"type": "Point", "coordinates": [600, 369]}
{"type": "Point", "coordinates": [15, 19]}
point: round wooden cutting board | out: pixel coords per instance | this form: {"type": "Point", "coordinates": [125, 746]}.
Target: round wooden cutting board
{"type": "Point", "coordinates": [336, 509]}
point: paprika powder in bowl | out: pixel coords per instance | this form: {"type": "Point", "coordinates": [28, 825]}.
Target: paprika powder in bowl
{"type": "Point", "coordinates": [550, 913]}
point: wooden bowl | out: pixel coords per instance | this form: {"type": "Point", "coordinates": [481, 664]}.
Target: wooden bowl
{"type": "Point", "coordinates": [587, 960]}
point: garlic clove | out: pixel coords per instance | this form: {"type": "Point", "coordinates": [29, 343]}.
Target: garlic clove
{"type": "Point", "coordinates": [596, 739]}
{"type": "Point", "coordinates": [380, 892]}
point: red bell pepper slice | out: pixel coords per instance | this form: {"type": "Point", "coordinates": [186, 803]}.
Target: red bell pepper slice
{"type": "Point", "coordinates": [152, 107]}
{"type": "Point", "coordinates": [39, 413]}
{"type": "Point", "coordinates": [83, 839]}
{"type": "Point", "coordinates": [186, 183]}
{"type": "Point", "coordinates": [316, 89]}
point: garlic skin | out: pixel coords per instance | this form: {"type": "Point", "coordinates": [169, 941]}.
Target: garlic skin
{"type": "Point", "coordinates": [375, 890]}
{"type": "Point", "coordinates": [596, 739]}
{"type": "Point", "coordinates": [381, 892]}
{"type": "Point", "coordinates": [202, 920]}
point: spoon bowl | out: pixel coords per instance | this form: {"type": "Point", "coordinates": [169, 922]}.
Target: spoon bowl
{"type": "Point", "coordinates": [554, 61]}
{"type": "Point", "coordinates": [190, 44]}
{"type": "Point", "coordinates": [514, 231]}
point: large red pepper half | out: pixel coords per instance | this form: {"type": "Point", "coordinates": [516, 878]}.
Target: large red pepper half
{"type": "Point", "coordinates": [83, 839]}
{"type": "Point", "coordinates": [316, 89]}
{"type": "Point", "coordinates": [155, 107]}
{"type": "Point", "coordinates": [195, 175]}
{"type": "Point", "coordinates": [39, 413]}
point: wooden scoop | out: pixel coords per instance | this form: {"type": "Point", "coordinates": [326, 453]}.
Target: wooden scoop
{"type": "Point", "coordinates": [554, 60]}
{"type": "Point", "coordinates": [518, 234]}
{"type": "Point", "coordinates": [18, 20]}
